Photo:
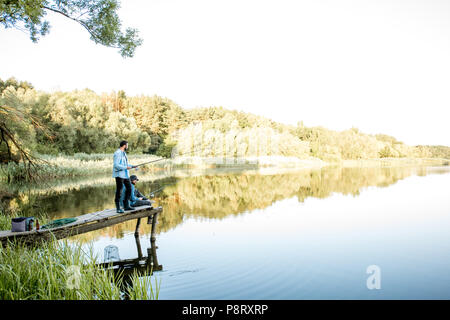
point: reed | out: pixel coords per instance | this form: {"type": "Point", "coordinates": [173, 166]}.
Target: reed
{"type": "Point", "coordinates": [142, 288]}
{"type": "Point", "coordinates": [63, 166]}
{"type": "Point", "coordinates": [62, 270]}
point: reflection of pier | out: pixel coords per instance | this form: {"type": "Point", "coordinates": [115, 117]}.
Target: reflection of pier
{"type": "Point", "coordinates": [85, 223]}
{"type": "Point", "coordinates": [141, 266]}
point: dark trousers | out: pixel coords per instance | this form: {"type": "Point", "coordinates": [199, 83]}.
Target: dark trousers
{"type": "Point", "coordinates": [119, 186]}
{"type": "Point", "coordinates": [139, 203]}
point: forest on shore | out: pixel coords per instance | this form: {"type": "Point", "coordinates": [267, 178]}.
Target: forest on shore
{"type": "Point", "coordinates": [82, 121]}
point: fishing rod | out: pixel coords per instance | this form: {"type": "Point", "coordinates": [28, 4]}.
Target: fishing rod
{"type": "Point", "coordinates": [179, 155]}
{"type": "Point", "coordinates": [152, 194]}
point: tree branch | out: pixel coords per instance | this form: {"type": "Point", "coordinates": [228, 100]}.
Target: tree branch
{"type": "Point", "coordinates": [23, 153]}
{"type": "Point", "coordinates": [7, 144]}
{"type": "Point", "coordinates": [94, 36]}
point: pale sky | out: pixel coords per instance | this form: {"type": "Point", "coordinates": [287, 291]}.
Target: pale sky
{"type": "Point", "coordinates": [382, 66]}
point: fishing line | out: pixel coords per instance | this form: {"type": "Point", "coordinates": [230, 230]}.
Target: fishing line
{"type": "Point", "coordinates": [178, 155]}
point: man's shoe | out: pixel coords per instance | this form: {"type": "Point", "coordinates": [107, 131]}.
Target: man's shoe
{"type": "Point", "coordinates": [118, 209]}
{"type": "Point", "coordinates": [126, 205]}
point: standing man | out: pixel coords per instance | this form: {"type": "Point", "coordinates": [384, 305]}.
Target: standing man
{"type": "Point", "coordinates": [120, 172]}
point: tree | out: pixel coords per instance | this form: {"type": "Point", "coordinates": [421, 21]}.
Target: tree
{"type": "Point", "coordinates": [98, 17]}
{"type": "Point", "coordinates": [14, 83]}
{"type": "Point", "coordinates": [17, 130]}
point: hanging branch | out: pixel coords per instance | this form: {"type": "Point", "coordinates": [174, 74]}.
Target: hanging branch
{"type": "Point", "coordinates": [13, 112]}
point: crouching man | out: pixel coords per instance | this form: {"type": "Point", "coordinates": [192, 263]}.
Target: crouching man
{"type": "Point", "coordinates": [137, 199]}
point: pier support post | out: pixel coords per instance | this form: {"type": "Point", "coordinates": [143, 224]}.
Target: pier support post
{"type": "Point", "coordinates": [151, 255]}
{"type": "Point", "coordinates": [154, 219]}
{"type": "Point", "coordinates": [138, 245]}
{"type": "Point", "coordinates": [138, 223]}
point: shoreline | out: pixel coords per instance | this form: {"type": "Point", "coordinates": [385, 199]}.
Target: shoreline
{"type": "Point", "coordinates": [67, 167]}
{"type": "Point", "coordinates": [310, 163]}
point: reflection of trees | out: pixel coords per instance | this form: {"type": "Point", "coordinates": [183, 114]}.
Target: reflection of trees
{"type": "Point", "coordinates": [221, 195]}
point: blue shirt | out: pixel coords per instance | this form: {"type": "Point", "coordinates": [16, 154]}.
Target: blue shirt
{"type": "Point", "coordinates": [120, 165]}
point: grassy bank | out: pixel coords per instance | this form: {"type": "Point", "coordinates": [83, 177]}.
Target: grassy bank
{"type": "Point", "coordinates": [64, 271]}
{"type": "Point", "coordinates": [63, 166]}
{"type": "Point", "coordinates": [82, 165]}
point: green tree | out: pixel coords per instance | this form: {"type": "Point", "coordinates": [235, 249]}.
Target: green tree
{"type": "Point", "coordinates": [14, 83]}
{"type": "Point", "coordinates": [17, 131]}
{"type": "Point", "coordinates": [98, 17]}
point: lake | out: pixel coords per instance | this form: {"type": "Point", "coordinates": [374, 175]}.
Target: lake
{"type": "Point", "coordinates": [331, 233]}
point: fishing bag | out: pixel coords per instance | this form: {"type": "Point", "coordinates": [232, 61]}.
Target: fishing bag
{"type": "Point", "coordinates": [22, 224]}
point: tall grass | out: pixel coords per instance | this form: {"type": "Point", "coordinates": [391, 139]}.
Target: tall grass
{"type": "Point", "coordinates": [142, 288]}
{"type": "Point", "coordinates": [63, 271]}
{"type": "Point", "coordinates": [53, 167]}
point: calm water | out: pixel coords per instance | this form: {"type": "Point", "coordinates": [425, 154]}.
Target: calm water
{"type": "Point", "coordinates": [308, 234]}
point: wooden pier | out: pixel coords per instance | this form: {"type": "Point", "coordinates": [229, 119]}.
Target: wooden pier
{"type": "Point", "coordinates": [85, 223]}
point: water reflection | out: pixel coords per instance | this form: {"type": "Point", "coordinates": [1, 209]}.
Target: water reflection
{"type": "Point", "coordinates": [216, 195]}
{"type": "Point", "coordinates": [317, 231]}
{"type": "Point", "coordinates": [142, 266]}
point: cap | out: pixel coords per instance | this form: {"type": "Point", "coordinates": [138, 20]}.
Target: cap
{"type": "Point", "coordinates": [134, 177]}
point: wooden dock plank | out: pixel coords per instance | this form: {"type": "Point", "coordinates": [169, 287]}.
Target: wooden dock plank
{"type": "Point", "coordinates": [85, 223]}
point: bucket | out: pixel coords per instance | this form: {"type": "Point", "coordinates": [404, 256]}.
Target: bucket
{"type": "Point", "coordinates": [22, 224]}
